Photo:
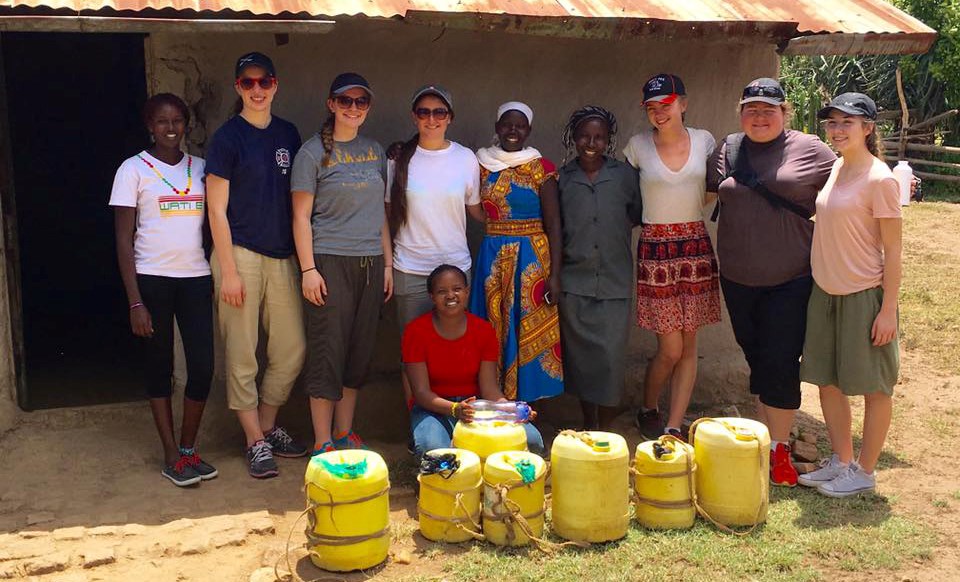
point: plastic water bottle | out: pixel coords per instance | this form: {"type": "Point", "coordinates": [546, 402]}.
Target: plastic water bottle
{"type": "Point", "coordinates": [506, 411]}
{"type": "Point", "coordinates": [904, 175]}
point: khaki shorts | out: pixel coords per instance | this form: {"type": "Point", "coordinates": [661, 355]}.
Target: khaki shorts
{"type": "Point", "coordinates": [838, 350]}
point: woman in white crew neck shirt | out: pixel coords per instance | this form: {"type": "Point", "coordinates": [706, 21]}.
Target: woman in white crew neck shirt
{"type": "Point", "coordinates": [677, 276]}
{"type": "Point", "coordinates": [436, 182]}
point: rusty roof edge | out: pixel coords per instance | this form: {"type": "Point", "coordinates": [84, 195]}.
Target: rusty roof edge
{"type": "Point", "coordinates": [874, 43]}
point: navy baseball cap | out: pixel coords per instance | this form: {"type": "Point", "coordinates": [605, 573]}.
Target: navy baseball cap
{"type": "Point", "coordinates": [851, 104]}
{"type": "Point", "coordinates": [255, 59]}
{"type": "Point", "coordinates": [664, 88]}
{"type": "Point", "coordinates": [347, 81]}
{"type": "Point", "coordinates": [764, 90]}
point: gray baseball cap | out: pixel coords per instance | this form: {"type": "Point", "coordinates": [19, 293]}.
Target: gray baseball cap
{"type": "Point", "coordinates": [436, 90]}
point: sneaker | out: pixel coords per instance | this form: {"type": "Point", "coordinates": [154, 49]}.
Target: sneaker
{"type": "Point", "coordinates": [851, 481]}
{"type": "Point", "coordinates": [782, 471]}
{"type": "Point", "coordinates": [181, 473]}
{"type": "Point", "coordinates": [650, 424]}
{"type": "Point", "coordinates": [676, 433]}
{"type": "Point", "coordinates": [204, 469]}
{"type": "Point", "coordinates": [829, 470]}
{"type": "Point", "coordinates": [260, 457]}
{"type": "Point", "coordinates": [350, 440]}
{"type": "Point", "coordinates": [411, 446]}
{"type": "Point", "coordinates": [283, 445]}
{"type": "Point", "coordinates": [324, 448]}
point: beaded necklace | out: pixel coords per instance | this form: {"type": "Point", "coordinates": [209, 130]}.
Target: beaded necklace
{"type": "Point", "coordinates": [167, 182]}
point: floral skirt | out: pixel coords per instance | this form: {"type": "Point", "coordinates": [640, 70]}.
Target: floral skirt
{"type": "Point", "coordinates": [677, 278]}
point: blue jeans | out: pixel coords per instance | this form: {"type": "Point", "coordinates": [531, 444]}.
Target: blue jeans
{"type": "Point", "coordinates": [435, 431]}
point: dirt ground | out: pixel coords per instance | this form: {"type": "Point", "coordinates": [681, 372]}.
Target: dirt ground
{"type": "Point", "coordinates": [81, 498]}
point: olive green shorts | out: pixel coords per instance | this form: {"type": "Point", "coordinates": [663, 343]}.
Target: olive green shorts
{"type": "Point", "coordinates": [838, 350]}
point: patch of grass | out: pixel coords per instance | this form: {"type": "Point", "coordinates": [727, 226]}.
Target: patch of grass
{"type": "Point", "coordinates": [956, 495]}
{"type": "Point", "coordinates": [940, 503]}
{"type": "Point", "coordinates": [807, 537]}
{"type": "Point", "coordinates": [934, 191]}
{"type": "Point", "coordinates": [929, 310]}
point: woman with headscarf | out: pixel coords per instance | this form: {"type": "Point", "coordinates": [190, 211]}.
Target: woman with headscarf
{"type": "Point", "coordinates": [515, 287]}
{"type": "Point", "coordinates": [599, 206]}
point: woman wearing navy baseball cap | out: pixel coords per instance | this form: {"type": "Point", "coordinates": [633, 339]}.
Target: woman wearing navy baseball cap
{"type": "Point", "coordinates": [678, 290]}
{"type": "Point", "coordinates": [255, 276]}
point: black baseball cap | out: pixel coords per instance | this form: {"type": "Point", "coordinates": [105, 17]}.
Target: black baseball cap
{"type": "Point", "coordinates": [255, 59]}
{"type": "Point", "coordinates": [764, 90]}
{"type": "Point", "coordinates": [664, 88]}
{"type": "Point", "coordinates": [851, 104]}
{"type": "Point", "coordinates": [435, 90]}
{"type": "Point", "coordinates": [347, 81]}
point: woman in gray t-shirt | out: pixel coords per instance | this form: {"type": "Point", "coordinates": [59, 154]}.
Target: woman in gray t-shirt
{"type": "Point", "coordinates": [343, 244]}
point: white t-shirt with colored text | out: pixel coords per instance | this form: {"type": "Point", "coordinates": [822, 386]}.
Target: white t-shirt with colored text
{"type": "Point", "coordinates": [169, 236]}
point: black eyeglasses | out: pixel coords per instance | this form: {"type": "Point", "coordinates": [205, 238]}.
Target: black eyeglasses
{"type": "Point", "coordinates": [247, 83]}
{"type": "Point", "coordinates": [346, 102]}
{"type": "Point", "coordinates": [762, 91]}
{"type": "Point", "coordinates": [440, 113]}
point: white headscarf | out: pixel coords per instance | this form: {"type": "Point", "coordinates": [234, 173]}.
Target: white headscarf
{"type": "Point", "coordinates": [494, 158]}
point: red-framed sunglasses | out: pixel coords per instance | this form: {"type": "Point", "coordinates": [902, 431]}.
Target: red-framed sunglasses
{"type": "Point", "coordinates": [247, 83]}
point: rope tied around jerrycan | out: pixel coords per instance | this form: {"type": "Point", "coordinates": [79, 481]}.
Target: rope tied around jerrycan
{"type": "Point", "coordinates": [471, 517]}
{"type": "Point", "coordinates": [696, 502]}
{"type": "Point", "coordinates": [510, 513]}
{"type": "Point", "coordinates": [688, 472]}
{"type": "Point", "coordinates": [343, 471]}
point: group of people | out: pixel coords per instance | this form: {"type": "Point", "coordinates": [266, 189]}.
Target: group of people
{"type": "Point", "coordinates": [310, 240]}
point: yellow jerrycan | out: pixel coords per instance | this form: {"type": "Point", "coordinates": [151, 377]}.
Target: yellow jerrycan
{"type": "Point", "coordinates": [349, 517]}
{"type": "Point", "coordinates": [487, 437]}
{"type": "Point", "coordinates": [663, 484]}
{"type": "Point", "coordinates": [590, 486]}
{"type": "Point", "coordinates": [733, 469]}
{"type": "Point", "coordinates": [513, 497]}
{"type": "Point", "coordinates": [450, 486]}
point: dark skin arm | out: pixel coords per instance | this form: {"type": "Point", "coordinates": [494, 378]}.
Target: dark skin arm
{"type": "Point", "coordinates": [427, 399]}
{"type": "Point", "coordinates": [125, 220]}
{"type": "Point", "coordinates": [550, 206]}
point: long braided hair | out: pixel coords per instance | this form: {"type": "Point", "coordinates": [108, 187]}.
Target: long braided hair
{"type": "Point", "coordinates": [583, 114]}
{"type": "Point", "coordinates": [326, 137]}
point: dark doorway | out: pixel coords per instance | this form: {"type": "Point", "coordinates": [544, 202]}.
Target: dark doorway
{"type": "Point", "coordinates": [74, 108]}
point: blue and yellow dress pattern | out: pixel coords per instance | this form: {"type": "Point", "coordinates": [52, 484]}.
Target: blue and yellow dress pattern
{"type": "Point", "coordinates": [510, 281]}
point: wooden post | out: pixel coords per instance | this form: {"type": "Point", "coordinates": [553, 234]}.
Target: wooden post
{"type": "Point", "coordinates": [904, 118]}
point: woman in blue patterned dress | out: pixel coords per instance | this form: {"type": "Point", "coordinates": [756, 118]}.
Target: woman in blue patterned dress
{"type": "Point", "coordinates": [514, 287]}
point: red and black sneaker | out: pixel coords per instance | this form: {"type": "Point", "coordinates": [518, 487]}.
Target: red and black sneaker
{"type": "Point", "coordinates": [782, 471]}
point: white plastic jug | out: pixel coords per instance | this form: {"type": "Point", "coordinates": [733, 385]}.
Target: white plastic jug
{"type": "Point", "coordinates": [904, 175]}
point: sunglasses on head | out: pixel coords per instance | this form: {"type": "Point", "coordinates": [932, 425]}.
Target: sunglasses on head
{"type": "Point", "coordinates": [247, 83]}
{"type": "Point", "coordinates": [761, 91]}
{"type": "Point", "coordinates": [440, 113]}
{"type": "Point", "coordinates": [346, 102]}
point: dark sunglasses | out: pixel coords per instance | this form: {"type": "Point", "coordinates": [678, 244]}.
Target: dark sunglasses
{"type": "Point", "coordinates": [440, 113]}
{"type": "Point", "coordinates": [761, 91]}
{"type": "Point", "coordinates": [247, 83]}
{"type": "Point", "coordinates": [346, 101]}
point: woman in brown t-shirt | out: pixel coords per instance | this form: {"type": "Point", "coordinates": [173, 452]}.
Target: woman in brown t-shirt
{"type": "Point", "coordinates": [764, 237]}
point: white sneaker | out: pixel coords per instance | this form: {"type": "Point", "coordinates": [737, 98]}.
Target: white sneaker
{"type": "Point", "coordinates": [829, 470]}
{"type": "Point", "coordinates": [852, 481]}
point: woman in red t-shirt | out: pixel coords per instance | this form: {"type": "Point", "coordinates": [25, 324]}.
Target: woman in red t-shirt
{"type": "Point", "coordinates": [451, 359]}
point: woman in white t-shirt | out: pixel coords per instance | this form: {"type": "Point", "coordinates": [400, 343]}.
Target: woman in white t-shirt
{"type": "Point", "coordinates": [436, 182]}
{"type": "Point", "coordinates": [677, 277]}
{"type": "Point", "coordinates": [158, 199]}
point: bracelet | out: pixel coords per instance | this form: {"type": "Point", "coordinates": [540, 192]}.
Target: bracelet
{"type": "Point", "coordinates": [136, 305]}
{"type": "Point", "coordinates": [390, 266]}
{"type": "Point", "coordinates": [314, 268]}
{"type": "Point", "coordinates": [453, 409]}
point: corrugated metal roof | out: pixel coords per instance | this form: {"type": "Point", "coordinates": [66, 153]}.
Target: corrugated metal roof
{"type": "Point", "coordinates": [846, 17]}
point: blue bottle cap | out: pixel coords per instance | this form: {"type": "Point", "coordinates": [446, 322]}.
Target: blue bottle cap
{"type": "Point", "coordinates": [523, 411]}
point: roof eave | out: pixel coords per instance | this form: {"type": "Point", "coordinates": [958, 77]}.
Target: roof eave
{"type": "Point", "coordinates": [871, 43]}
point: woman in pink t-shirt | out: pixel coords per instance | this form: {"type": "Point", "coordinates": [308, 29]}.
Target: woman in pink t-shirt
{"type": "Point", "coordinates": [851, 341]}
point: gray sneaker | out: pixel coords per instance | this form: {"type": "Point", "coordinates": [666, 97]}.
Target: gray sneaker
{"type": "Point", "coordinates": [203, 468]}
{"type": "Point", "coordinates": [829, 470]}
{"type": "Point", "coordinates": [181, 474]}
{"type": "Point", "coordinates": [283, 445]}
{"type": "Point", "coordinates": [260, 458]}
{"type": "Point", "coordinates": [852, 481]}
